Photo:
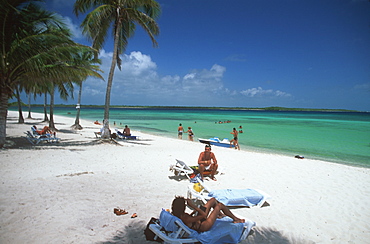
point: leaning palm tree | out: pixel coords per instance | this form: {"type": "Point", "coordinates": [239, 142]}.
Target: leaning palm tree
{"type": "Point", "coordinates": [122, 16]}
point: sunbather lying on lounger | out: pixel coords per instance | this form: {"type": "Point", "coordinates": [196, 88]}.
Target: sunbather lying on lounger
{"type": "Point", "coordinates": [205, 218]}
{"type": "Point", "coordinates": [44, 131]}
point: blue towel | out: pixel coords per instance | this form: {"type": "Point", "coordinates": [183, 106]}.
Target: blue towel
{"type": "Point", "coordinates": [223, 230]}
{"type": "Point", "coordinates": [237, 197]}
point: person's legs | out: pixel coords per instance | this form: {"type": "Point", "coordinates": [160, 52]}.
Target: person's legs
{"type": "Point", "coordinates": [231, 142]}
{"type": "Point", "coordinates": [217, 208]}
{"type": "Point", "coordinates": [213, 170]}
{"type": "Point", "coordinates": [201, 169]}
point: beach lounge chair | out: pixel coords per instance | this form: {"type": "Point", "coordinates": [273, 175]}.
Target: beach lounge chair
{"type": "Point", "coordinates": [172, 230]}
{"type": "Point", "coordinates": [35, 138]}
{"type": "Point", "coordinates": [181, 168]}
{"type": "Point", "coordinates": [120, 135]}
{"type": "Point", "coordinates": [229, 197]}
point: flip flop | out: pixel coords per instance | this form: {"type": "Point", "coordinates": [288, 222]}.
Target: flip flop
{"type": "Point", "coordinates": [133, 216]}
{"type": "Point", "coordinates": [119, 211]}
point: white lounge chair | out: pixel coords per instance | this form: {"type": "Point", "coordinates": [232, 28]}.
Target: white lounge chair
{"type": "Point", "coordinates": [172, 230]}
{"type": "Point", "coordinates": [229, 197]}
{"type": "Point", "coordinates": [181, 168]}
{"type": "Point", "coordinates": [35, 138]}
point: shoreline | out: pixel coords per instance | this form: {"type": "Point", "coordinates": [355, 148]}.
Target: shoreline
{"type": "Point", "coordinates": [349, 158]}
{"type": "Point", "coordinates": [66, 192]}
{"type": "Point", "coordinates": [281, 109]}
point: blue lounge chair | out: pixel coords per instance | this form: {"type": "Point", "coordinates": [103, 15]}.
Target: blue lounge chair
{"type": "Point", "coordinates": [122, 136]}
{"type": "Point", "coordinates": [36, 139]}
{"type": "Point", "coordinates": [172, 230]}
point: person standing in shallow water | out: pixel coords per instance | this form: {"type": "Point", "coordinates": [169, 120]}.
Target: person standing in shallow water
{"type": "Point", "coordinates": [190, 133]}
{"type": "Point", "coordinates": [180, 130]}
{"type": "Point", "coordinates": [235, 139]}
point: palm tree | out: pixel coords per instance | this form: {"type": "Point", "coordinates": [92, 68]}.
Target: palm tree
{"type": "Point", "coordinates": [29, 106]}
{"type": "Point", "coordinates": [33, 43]}
{"type": "Point", "coordinates": [122, 16]}
{"type": "Point", "coordinates": [84, 60]}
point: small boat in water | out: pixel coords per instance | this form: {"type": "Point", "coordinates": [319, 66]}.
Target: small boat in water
{"type": "Point", "coordinates": [215, 141]}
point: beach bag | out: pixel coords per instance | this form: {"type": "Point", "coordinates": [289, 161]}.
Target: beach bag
{"type": "Point", "coordinates": [149, 234]}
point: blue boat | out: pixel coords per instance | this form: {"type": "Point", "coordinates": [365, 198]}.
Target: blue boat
{"type": "Point", "coordinates": [215, 141]}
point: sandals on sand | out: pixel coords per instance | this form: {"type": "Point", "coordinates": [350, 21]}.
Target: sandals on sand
{"type": "Point", "coordinates": [133, 216]}
{"type": "Point", "coordinates": [119, 211]}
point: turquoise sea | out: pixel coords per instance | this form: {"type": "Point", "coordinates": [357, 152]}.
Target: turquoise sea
{"type": "Point", "coordinates": [341, 137]}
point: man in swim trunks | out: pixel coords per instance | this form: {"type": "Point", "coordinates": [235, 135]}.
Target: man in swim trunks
{"type": "Point", "coordinates": [235, 139]}
{"type": "Point", "coordinates": [207, 159]}
{"type": "Point", "coordinates": [126, 131]}
{"type": "Point", "coordinates": [180, 129]}
{"type": "Point", "coordinates": [205, 218]}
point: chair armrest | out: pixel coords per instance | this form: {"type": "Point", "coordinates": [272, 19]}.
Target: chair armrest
{"type": "Point", "coordinates": [171, 238]}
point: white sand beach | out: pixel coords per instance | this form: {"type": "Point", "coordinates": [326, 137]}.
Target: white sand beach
{"type": "Point", "coordinates": [66, 192]}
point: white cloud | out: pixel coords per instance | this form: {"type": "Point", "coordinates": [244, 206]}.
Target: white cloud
{"type": "Point", "coordinates": [258, 92]}
{"type": "Point", "coordinates": [363, 87]}
{"type": "Point", "coordinates": [139, 83]}
{"type": "Point", "coordinates": [204, 80]}
{"type": "Point", "coordinates": [75, 29]}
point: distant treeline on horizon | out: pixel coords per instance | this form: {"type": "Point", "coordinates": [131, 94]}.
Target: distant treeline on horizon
{"type": "Point", "coordinates": [196, 107]}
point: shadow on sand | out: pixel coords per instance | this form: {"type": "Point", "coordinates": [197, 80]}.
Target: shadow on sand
{"type": "Point", "coordinates": [134, 233]}
{"type": "Point", "coordinates": [23, 143]}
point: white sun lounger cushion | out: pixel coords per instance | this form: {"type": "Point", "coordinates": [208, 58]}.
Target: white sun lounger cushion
{"type": "Point", "coordinates": [238, 197]}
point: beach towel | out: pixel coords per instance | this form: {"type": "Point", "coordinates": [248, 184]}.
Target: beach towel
{"type": "Point", "coordinates": [237, 197]}
{"type": "Point", "coordinates": [223, 230]}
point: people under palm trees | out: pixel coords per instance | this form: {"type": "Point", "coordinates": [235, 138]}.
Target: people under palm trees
{"type": "Point", "coordinates": [122, 16]}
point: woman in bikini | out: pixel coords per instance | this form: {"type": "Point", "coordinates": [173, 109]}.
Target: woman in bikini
{"type": "Point", "coordinates": [205, 218]}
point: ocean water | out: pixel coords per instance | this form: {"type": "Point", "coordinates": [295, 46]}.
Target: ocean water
{"type": "Point", "coordinates": [340, 137]}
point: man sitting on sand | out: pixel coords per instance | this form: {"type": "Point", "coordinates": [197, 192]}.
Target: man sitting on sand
{"type": "Point", "coordinates": [205, 218]}
{"type": "Point", "coordinates": [126, 131]}
{"type": "Point", "coordinates": [207, 160]}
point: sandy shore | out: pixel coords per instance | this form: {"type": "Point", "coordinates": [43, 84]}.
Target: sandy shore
{"type": "Point", "coordinates": [66, 192]}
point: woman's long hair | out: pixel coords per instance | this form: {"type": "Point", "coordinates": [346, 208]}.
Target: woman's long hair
{"type": "Point", "coordinates": [178, 206]}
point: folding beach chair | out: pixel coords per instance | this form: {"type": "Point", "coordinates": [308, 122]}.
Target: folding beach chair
{"type": "Point", "coordinates": [229, 197]}
{"type": "Point", "coordinates": [172, 230]}
{"type": "Point", "coordinates": [36, 138]}
{"type": "Point", "coordinates": [181, 168]}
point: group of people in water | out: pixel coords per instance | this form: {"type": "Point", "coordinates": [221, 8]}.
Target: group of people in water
{"type": "Point", "coordinates": [234, 141]}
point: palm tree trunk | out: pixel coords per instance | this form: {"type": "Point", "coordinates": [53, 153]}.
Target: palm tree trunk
{"type": "Point", "coordinates": [51, 122]}
{"type": "Point", "coordinates": [20, 117]}
{"type": "Point", "coordinates": [29, 107]}
{"type": "Point", "coordinates": [46, 119]}
{"type": "Point", "coordinates": [3, 115]}
{"type": "Point", "coordinates": [106, 131]}
{"type": "Point", "coordinates": [77, 125]}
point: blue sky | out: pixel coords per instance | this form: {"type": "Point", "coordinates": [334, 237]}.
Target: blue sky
{"type": "Point", "coordinates": [241, 53]}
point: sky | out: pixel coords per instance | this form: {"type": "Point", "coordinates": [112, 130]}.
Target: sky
{"type": "Point", "coordinates": [239, 53]}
